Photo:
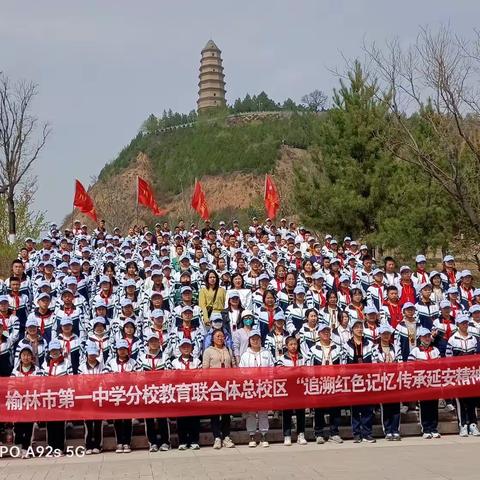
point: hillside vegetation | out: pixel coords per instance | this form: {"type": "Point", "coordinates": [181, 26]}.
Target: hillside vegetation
{"type": "Point", "coordinates": [213, 148]}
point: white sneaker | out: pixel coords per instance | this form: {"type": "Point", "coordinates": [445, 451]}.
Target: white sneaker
{"type": "Point", "coordinates": [252, 443]}
{"type": "Point", "coordinates": [153, 448]}
{"type": "Point", "coordinates": [404, 409]}
{"type": "Point", "coordinates": [427, 436]}
{"type": "Point", "coordinates": [119, 448]}
{"type": "Point", "coordinates": [474, 431]}
{"type": "Point", "coordinates": [287, 441]}
{"type": "Point", "coordinates": [301, 439]}
{"type": "Point", "coordinates": [88, 451]}
{"type": "Point", "coordinates": [164, 447]}
{"type": "Point", "coordinates": [126, 449]}
{"type": "Point", "coordinates": [320, 440]}
{"type": "Point", "coordinates": [436, 435]}
{"type": "Point", "coordinates": [264, 444]}
{"type": "Point", "coordinates": [464, 431]}
{"type": "Point", "coordinates": [217, 444]}
{"type": "Point", "coordinates": [182, 446]}
{"type": "Point", "coordinates": [228, 443]}
{"type": "Point", "coordinates": [95, 451]}
{"type": "Point", "coordinates": [194, 446]}
{"type": "Point", "coordinates": [25, 453]}
{"type": "Point", "coordinates": [449, 407]}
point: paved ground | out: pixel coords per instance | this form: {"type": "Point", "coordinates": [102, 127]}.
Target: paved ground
{"type": "Point", "coordinates": [451, 457]}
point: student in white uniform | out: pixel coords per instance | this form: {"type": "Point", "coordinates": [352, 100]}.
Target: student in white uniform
{"type": "Point", "coordinates": [188, 428]}
{"type": "Point", "coordinates": [120, 363]}
{"type": "Point", "coordinates": [428, 408]}
{"type": "Point", "coordinates": [292, 358]}
{"type": "Point", "coordinates": [26, 368]}
{"type": "Point", "coordinates": [257, 356]}
{"type": "Point", "coordinates": [91, 365]}
{"type": "Point", "coordinates": [461, 343]}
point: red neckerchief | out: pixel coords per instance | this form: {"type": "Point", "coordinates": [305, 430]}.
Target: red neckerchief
{"type": "Point", "coordinates": [152, 359]}
{"type": "Point", "coordinates": [354, 275]}
{"type": "Point", "coordinates": [423, 274]}
{"type": "Point", "coordinates": [67, 345]}
{"type": "Point", "coordinates": [130, 343]}
{"type": "Point", "coordinates": [53, 364]}
{"type": "Point", "coordinates": [186, 363]}
{"type": "Point", "coordinates": [27, 374]}
{"type": "Point", "coordinates": [427, 350]}
{"type": "Point", "coordinates": [336, 281]}
{"type": "Point", "coordinates": [187, 331]}
{"type": "Point", "coordinates": [374, 330]}
{"type": "Point", "coordinates": [121, 364]}
{"type": "Point", "coordinates": [469, 296]}
{"type": "Point", "coordinates": [451, 277]}
{"type": "Point", "coordinates": [346, 292]}
{"type": "Point", "coordinates": [4, 321]}
{"type": "Point", "coordinates": [294, 357]}
{"type": "Point", "coordinates": [322, 300]}
{"type": "Point", "coordinates": [280, 285]}
{"type": "Point", "coordinates": [160, 336]}
{"type": "Point", "coordinates": [107, 296]}
{"type": "Point", "coordinates": [379, 290]}
{"type": "Point", "coordinates": [16, 297]}
{"type": "Point", "coordinates": [42, 320]}
{"type": "Point", "coordinates": [454, 307]}
{"type": "Point", "coordinates": [298, 263]}
{"type": "Point", "coordinates": [271, 316]}
{"type": "Point", "coordinates": [395, 313]}
{"type": "Point", "coordinates": [448, 328]}
{"type": "Point", "coordinates": [359, 310]}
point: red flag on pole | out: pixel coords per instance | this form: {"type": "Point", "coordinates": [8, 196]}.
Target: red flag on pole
{"type": "Point", "coordinates": [199, 202]}
{"type": "Point", "coordinates": [272, 198]}
{"type": "Point", "coordinates": [145, 197]}
{"type": "Point", "coordinates": [84, 202]}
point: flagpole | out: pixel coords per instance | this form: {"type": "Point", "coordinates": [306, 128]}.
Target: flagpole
{"type": "Point", "coordinates": [136, 205]}
{"type": "Point", "coordinates": [73, 202]}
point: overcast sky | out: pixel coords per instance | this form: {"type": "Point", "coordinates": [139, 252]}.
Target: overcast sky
{"type": "Point", "coordinates": [102, 66]}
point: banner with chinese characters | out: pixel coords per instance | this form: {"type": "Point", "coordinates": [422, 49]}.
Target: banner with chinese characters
{"type": "Point", "coordinates": [215, 391]}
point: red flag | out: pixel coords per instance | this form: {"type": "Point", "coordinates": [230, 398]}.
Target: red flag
{"type": "Point", "coordinates": [84, 202]}
{"type": "Point", "coordinates": [272, 198]}
{"type": "Point", "coordinates": [199, 203]}
{"type": "Point", "coordinates": [145, 197]}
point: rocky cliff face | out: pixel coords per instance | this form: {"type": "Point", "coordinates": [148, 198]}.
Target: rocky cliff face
{"type": "Point", "coordinates": [228, 196]}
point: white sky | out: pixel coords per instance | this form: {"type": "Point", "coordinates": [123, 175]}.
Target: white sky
{"type": "Point", "coordinates": [103, 66]}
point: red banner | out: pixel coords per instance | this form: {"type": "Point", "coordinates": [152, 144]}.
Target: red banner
{"type": "Point", "coordinates": [215, 391]}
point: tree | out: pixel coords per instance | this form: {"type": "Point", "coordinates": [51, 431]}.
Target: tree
{"type": "Point", "coordinates": [150, 125]}
{"type": "Point", "coordinates": [315, 101]}
{"type": "Point", "coordinates": [28, 223]}
{"type": "Point", "coordinates": [436, 78]}
{"type": "Point", "coordinates": [355, 185]}
{"type": "Point", "coordinates": [20, 145]}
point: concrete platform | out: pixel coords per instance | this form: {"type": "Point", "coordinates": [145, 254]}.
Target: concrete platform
{"type": "Point", "coordinates": [450, 457]}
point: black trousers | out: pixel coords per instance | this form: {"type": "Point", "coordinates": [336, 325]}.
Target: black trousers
{"type": "Point", "coordinates": [287, 421]}
{"type": "Point", "coordinates": [56, 435]}
{"type": "Point", "coordinates": [93, 434]}
{"type": "Point", "coordinates": [467, 411]}
{"type": "Point", "coordinates": [362, 418]}
{"type": "Point", "coordinates": [188, 429]}
{"type": "Point", "coordinates": [391, 418]}
{"type": "Point", "coordinates": [157, 431]}
{"type": "Point", "coordinates": [123, 431]}
{"type": "Point", "coordinates": [23, 434]}
{"type": "Point", "coordinates": [429, 416]}
{"type": "Point", "coordinates": [220, 426]}
{"type": "Point", "coordinates": [334, 422]}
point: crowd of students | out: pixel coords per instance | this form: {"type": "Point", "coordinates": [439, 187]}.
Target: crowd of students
{"type": "Point", "coordinates": [187, 298]}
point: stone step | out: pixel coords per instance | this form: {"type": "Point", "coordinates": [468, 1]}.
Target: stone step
{"type": "Point", "coordinates": [409, 427]}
